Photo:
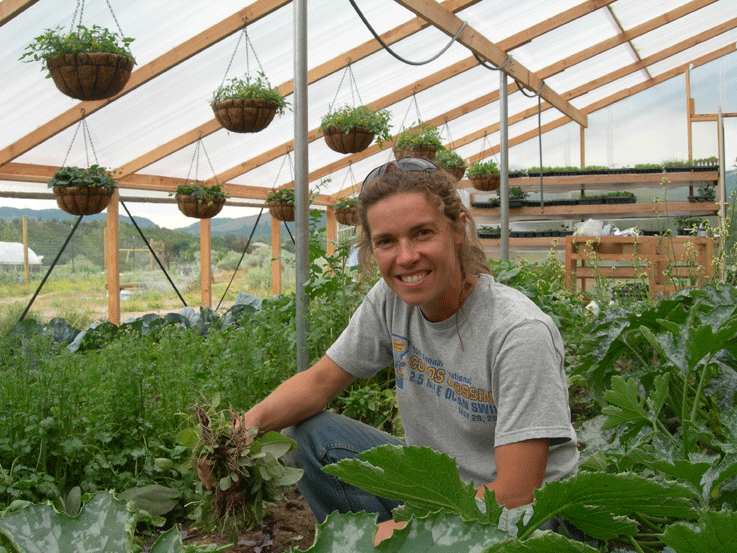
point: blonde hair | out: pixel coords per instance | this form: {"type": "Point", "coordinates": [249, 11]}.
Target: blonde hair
{"type": "Point", "coordinates": [440, 191]}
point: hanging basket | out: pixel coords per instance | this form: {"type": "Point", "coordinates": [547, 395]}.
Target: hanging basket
{"type": "Point", "coordinates": [355, 140]}
{"type": "Point", "coordinates": [282, 211]}
{"type": "Point", "coordinates": [197, 208]}
{"type": "Point", "coordinates": [90, 76]}
{"type": "Point", "coordinates": [347, 216]}
{"type": "Point", "coordinates": [244, 115]}
{"type": "Point", "coordinates": [485, 183]}
{"type": "Point", "coordinates": [456, 172]}
{"type": "Point", "coordinates": [82, 200]}
{"type": "Point", "coordinates": [421, 150]}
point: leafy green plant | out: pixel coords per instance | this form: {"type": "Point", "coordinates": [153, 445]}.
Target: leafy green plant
{"type": "Point", "coordinates": [648, 166]}
{"type": "Point", "coordinates": [421, 135]}
{"type": "Point", "coordinates": [348, 117]}
{"type": "Point", "coordinates": [516, 193]}
{"type": "Point", "coordinates": [281, 195]}
{"type": "Point", "coordinates": [347, 202]}
{"type": "Point", "coordinates": [707, 191]}
{"type": "Point", "coordinates": [246, 470]}
{"type": "Point", "coordinates": [201, 191]}
{"type": "Point", "coordinates": [625, 193]}
{"type": "Point", "coordinates": [42, 528]}
{"type": "Point", "coordinates": [483, 168]}
{"type": "Point", "coordinates": [449, 158]}
{"type": "Point", "coordinates": [612, 509]}
{"type": "Point", "coordinates": [249, 88]}
{"type": "Point", "coordinates": [56, 42]}
{"type": "Point", "coordinates": [94, 177]}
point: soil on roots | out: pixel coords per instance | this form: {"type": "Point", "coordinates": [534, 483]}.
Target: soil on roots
{"type": "Point", "coordinates": [288, 524]}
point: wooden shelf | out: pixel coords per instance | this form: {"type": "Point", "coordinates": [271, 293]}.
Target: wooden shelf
{"type": "Point", "coordinates": [608, 182]}
{"type": "Point", "coordinates": [618, 211]}
{"type": "Point", "coordinates": [541, 242]}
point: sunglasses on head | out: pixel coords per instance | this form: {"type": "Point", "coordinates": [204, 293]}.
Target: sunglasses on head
{"type": "Point", "coordinates": [403, 164]}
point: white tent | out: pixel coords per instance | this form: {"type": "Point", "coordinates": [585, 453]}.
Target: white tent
{"type": "Point", "coordinates": [11, 254]}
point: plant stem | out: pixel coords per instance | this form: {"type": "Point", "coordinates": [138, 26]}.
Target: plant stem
{"type": "Point", "coordinates": [700, 389]}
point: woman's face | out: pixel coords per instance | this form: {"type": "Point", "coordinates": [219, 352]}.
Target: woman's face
{"type": "Point", "coordinates": [416, 250]}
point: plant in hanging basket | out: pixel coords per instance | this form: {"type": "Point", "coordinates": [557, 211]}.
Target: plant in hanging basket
{"type": "Point", "coordinates": [81, 191]}
{"type": "Point", "coordinates": [349, 130]}
{"type": "Point", "coordinates": [484, 175]}
{"type": "Point", "coordinates": [281, 203]}
{"type": "Point", "coordinates": [346, 211]}
{"type": "Point", "coordinates": [199, 200]}
{"type": "Point", "coordinates": [247, 105]}
{"type": "Point", "coordinates": [89, 64]}
{"type": "Point", "coordinates": [420, 141]}
{"type": "Point", "coordinates": [451, 162]}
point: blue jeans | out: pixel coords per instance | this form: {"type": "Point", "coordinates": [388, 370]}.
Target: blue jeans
{"type": "Point", "coordinates": [322, 440]}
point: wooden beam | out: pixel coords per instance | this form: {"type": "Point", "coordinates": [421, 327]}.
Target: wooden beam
{"type": "Point", "coordinates": [205, 263]}
{"type": "Point", "coordinates": [450, 24]}
{"type": "Point", "coordinates": [163, 63]}
{"type": "Point", "coordinates": [13, 8]}
{"type": "Point", "coordinates": [275, 260]}
{"type": "Point", "coordinates": [440, 76]}
{"type": "Point", "coordinates": [112, 260]}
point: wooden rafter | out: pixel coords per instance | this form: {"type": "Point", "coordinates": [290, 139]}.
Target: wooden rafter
{"type": "Point", "coordinates": [622, 94]}
{"type": "Point", "coordinates": [603, 80]}
{"type": "Point", "coordinates": [629, 41]}
{"type": "Point", "coordinates": [450, 24]}
{"type": "Point", "coordinates": [174, 57]}
{"type": "Point", "coordinates": [320, 72]}
{"type": "Point", "coordinates": [12, 8]}
{"type": "Point", "coordinates": [508, 44]}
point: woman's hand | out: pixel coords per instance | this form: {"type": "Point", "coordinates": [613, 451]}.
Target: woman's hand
{"type": "Point", "coordinates": [205, 474]}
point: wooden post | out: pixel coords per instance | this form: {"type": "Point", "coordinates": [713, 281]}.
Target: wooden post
{"type": "Point", "coordinates": [331, 230]}
{"type": "Point", "coordinates": [582, 146]}
{"type": "Point", "coordinates": [26, 272]}
{"type": "Point", "coordinates": [689, 114]}
{"type": "Point", "coordinates": [205, 267]}
{"type": "Point", "coordinates": [275, 252]}
{"type": "Point", "coordinates": [112, 260]}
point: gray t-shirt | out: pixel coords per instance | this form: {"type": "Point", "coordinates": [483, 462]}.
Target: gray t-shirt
{"type": "Point", "coordinates": [488, 376]}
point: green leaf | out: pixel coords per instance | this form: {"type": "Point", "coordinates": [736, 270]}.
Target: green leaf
{"type": "Point", "coordinates": [620, 494]}
{"type": "Point", "coordinates": [155, 499]}
{"type": "Point", "coordinates": [413, 474]}
{"type": "Point", "coordinates": [716, 532]}
{"type": "Point", "coordinates": [101, 527]}
{"type": "Point", "coordinates": [438, 533]}
{"type": "Point", "coordinates": [627, 405]}
{"type": "Point", "coordinates": [168, 542]}
{"type": "Point", "coordinates": [599, 523]}
{"type": "Point", "coordinates": [543, 542]}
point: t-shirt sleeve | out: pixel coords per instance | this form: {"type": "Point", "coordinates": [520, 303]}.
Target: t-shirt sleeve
{"type": "Point", "coordinates": [364, 347]}
{"type": "Point", "coordinates": [529, 387]}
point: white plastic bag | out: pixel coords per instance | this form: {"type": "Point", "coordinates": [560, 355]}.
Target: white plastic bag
{"type": "Point", "coordinates": [592, 227]}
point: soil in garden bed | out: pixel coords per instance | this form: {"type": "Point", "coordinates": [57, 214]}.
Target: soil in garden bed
{"type": "Point", "coordinates": [288, 524]}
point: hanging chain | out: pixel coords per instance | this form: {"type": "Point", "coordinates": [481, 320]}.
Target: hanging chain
{"type": "Point", "coordinates": [354, 87]}
{"type": "Point", "coordinates": [283, 161]}
{"type": "Point", "coordinates": [196, 161]}
{"type": "Point", "coordinates": [249, 45]}
{"type": "Point", "coordinates": [348, 173]}
{"type": "Point", "coordinates": [86, 137]}
{"type": "Point", "coordinates": [79, 8]}
{"type": "Point", "coordinates": [417, 110]}
{"type": "Point", "coordinates": [450, 138]}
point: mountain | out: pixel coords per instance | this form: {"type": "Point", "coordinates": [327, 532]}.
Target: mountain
{"type": "Point", "coordinates": [242, 227]}
{"type": "Point", "coordinates": [10, 213]}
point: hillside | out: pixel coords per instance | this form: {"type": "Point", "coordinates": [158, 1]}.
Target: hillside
{"type": "Point", "coordinates": [10, 213]}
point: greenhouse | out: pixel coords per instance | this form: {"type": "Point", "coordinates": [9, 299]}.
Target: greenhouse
{"type": "Point", "coordinates": [593, 143]}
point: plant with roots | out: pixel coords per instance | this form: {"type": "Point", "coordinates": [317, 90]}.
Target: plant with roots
{"type": "Point", "coordinates": [241, 472]}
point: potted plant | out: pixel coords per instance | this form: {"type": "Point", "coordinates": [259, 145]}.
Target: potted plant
{"type": "Point", "coordinates": [484, 175]}
{"type": "Point", "coordinates": [346, 211]}
{"type": "Point", "coordinates": [486, 231]}
{"type": "Point", "coordinates": [676, 166]}
{"type": "Point", "coordinates": [517, 196]}
{"type": "Point", "coordinates": [620, 197]}
{"type": "Point", "coordinates": [705, 193]}
{"type": "Point", "coordinates": [281, 203]}
{"type": "Point", "coordinates": [451, 162]}
{"type": "Point", "coordinates": [349, 130]}
{"type": "Point", "coordinates": [706, 164]}
{"type": "Point", "coordinates": [648, 168]}
{"type": "Point", "coordinates": [200, 200]}
{"type": "Point", "coordinates": [89, 64]}
{"type": "Point", "coordinates": [247, 105]}
{"type": "Point", "coordinates": [81, 191]}
{"type": "Point", "coordinates": [420, 141]}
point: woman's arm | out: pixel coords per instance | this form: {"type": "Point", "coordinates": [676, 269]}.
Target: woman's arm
{"type": "Point", "coordinates": [520, 470]}
{"type": "Point", "coordinates": [299, 397]}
